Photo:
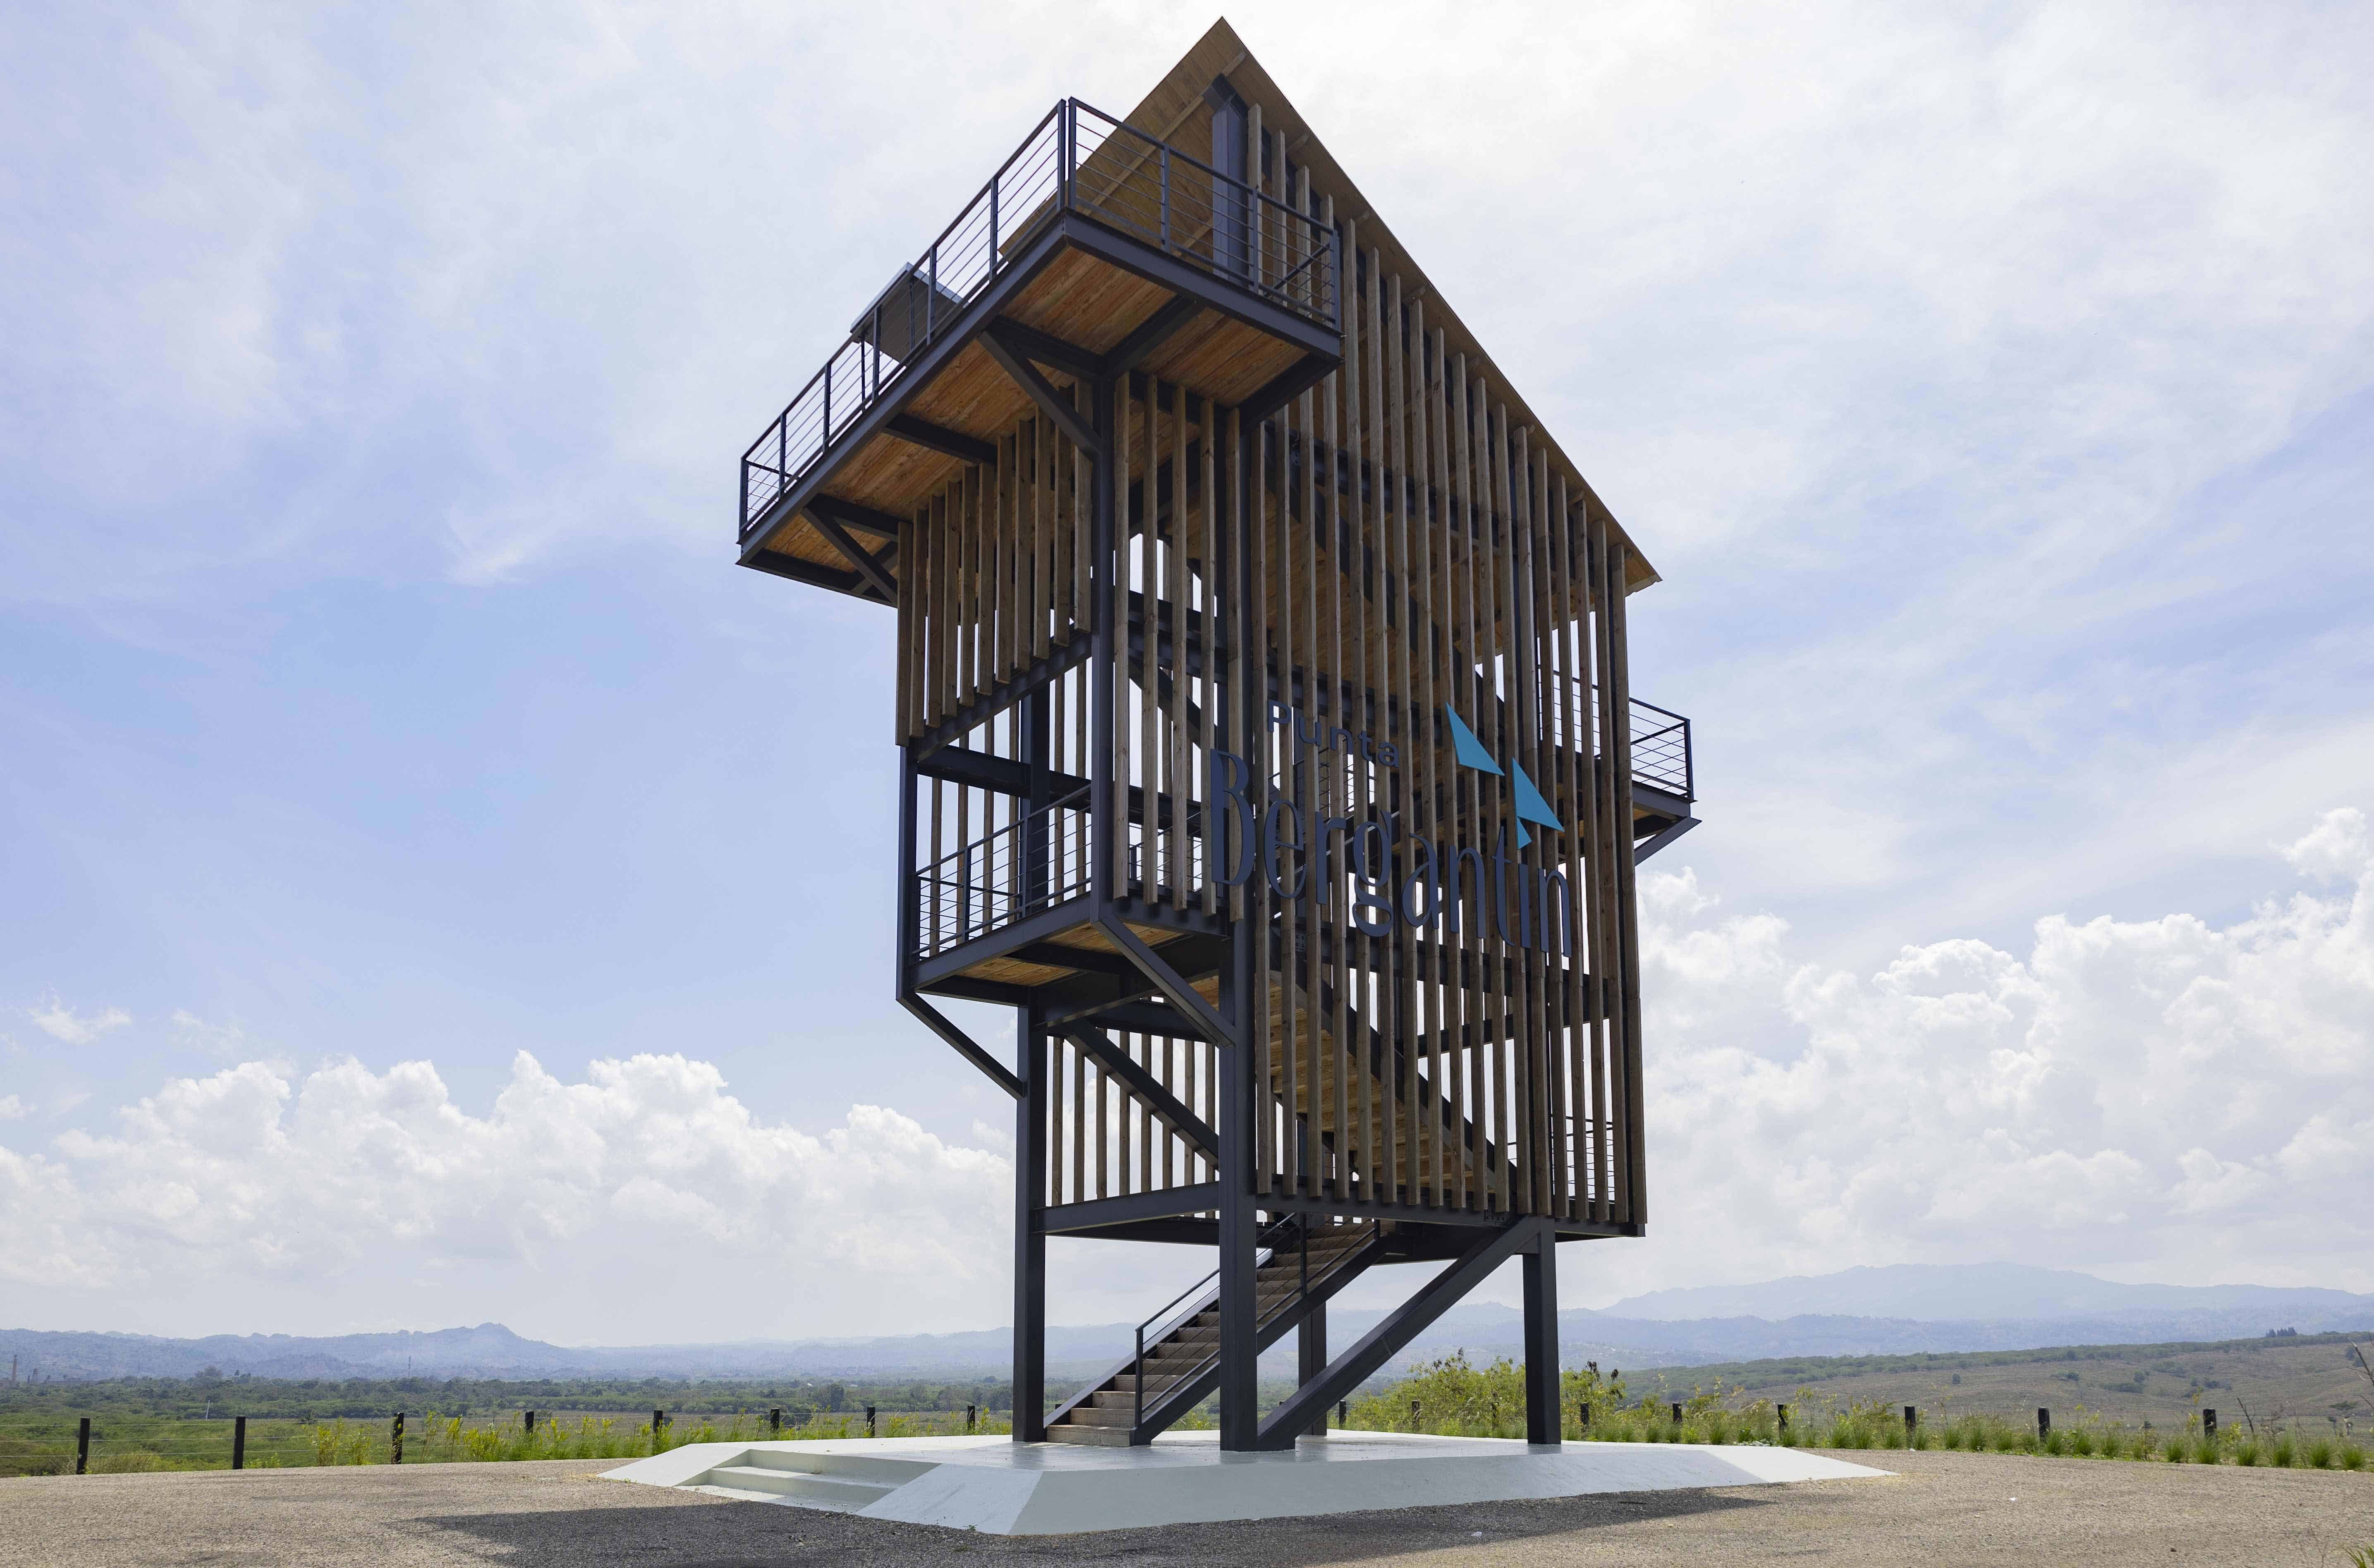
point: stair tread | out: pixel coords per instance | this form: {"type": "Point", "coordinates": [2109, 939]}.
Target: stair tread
{"type": "Point", "coordinates": [801, 1477]}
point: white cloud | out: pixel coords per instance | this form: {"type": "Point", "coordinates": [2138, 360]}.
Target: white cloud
{"type": "Point", "coordinates": [227, 1041]}
{"type": "Point", "coordinates": [13, 1109]}
{"type": "Point", "coordinates": [2338, 850]}
{"type": "Point", "coordinates": [61, 1022]}
{"type": "Point", "coordinates": [644, 1202]}
{"type": "Point", "coordinates": [2157, 1099]}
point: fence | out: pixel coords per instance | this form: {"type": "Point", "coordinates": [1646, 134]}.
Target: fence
{"type": "Point", "coordinates": [40, 1445]}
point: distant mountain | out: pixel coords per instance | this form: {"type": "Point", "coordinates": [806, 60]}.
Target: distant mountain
{"type": "Point", "coordinates": [1904, 1310]}
{"type": "Point", "coordinates": [1949, 1292]}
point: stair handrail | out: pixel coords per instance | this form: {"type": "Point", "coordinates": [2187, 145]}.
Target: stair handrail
{"type": "Point", "coordinates": [1264, 1253]}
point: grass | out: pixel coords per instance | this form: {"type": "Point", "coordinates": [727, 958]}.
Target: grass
{"type": "Point", "coordinates": [124, 1444]}
{"type": "Point", "coordinates": [1453, 1396]}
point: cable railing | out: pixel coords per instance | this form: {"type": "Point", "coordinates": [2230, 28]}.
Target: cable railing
{"type": "Point", "coordinates": [1035, 862]}
{"type": "Point", "coordinates": [1661, 740]}
{"type": "Point", "coordinates": [1076, 159]}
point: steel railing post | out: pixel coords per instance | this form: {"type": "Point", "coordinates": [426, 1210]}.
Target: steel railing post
{"type": "Point", "coordinates": [827, 440]}
{"type": "Point", "coordinates": [1165, 160]}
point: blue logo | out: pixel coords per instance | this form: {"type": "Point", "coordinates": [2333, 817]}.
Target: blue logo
{"type": "Point", "coordinates": [1531, 805]}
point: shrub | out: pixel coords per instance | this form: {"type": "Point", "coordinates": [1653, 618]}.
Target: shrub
{"type": "Point", "coordinates": [2081, 1442]}
{"type": "Point", "coordinates": [2353, 1458]}
{"type": "Point", "coordinates": [2247, 1451]}
{"type": "Point", "coordinates": [2320, 1453]}
{"type": "Point", "coordinates": [2204, 1451]}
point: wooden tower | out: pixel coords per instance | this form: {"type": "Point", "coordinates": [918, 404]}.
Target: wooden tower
{"type": "Point", "coordinates": [1267, 740]}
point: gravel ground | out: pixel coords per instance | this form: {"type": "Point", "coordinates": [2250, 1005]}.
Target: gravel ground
{"type": "Point", "coordinates": [1940, 1508]}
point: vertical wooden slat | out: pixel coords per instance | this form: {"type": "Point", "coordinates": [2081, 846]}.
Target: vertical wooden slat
{"type": "Point", "coordinates": [1460, 689]}
{"type": "Point", "coordinates": [1124, 408]}
{"type": "Point", "coordinates": [1209, 687]}
{"type": "Point", "coordinates": [1426, 621]}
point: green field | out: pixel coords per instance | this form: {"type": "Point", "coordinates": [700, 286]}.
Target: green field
{"type": "Point", "coordinates": [2280, 1401]}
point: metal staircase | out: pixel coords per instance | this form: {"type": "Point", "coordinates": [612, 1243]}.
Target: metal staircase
{"type": "Point", "coordinates": [1175, 1366]}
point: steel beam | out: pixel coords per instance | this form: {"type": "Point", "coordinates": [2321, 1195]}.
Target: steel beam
{"type": "Point", "coordinates": [855, 518]}
{"type": "Point", "coordinates": [1149, 335]}
{"type": "Point", "coordinates": [1656, 841]}
{"type": "Point", "coordinates": [968, 1047]}
{"type": "Point", "coordinates": [867, 567]}
{"type": "Point", "coordinates": [1146, 1087]}
{"type": "Point", "coordinates": [1095, 1213]}
{"type": "Point", "coordinates": [1042, 391]}
{"type": "Point", "coordinates": [1543, 1422]}
{"type": "Point", "coordinates": [1404, 1323]}
{"type": "Point", "coordinates": [1029, 1240]}
{"type": "Point", "coordinates": [918, 431]}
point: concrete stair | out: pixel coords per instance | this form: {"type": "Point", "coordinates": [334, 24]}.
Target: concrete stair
{"type": "Point", "coordinates": [768, 1475]}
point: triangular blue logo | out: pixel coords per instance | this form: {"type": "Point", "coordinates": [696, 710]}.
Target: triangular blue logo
{"type": "Point", "coordinates": [1531, 807]}
{"type": "Point", "coordinates": [1470, 749]}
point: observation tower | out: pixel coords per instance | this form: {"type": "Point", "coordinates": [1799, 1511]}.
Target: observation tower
{"type": "Point", "coordinates": [1267, 741]}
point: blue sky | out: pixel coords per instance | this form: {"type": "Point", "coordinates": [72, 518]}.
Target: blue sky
{"type": "Point", "coordinates": [1992, 386]}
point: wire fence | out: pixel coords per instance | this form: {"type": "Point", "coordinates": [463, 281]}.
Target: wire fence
{"type": "Point", "coordinates": [52, 1444]}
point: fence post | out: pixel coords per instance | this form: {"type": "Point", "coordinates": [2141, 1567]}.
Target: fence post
{"type": "Point", "coordinates": [1343, 1412]}
{"type": "Point", "coordinates": [2209, 1424]}
{"type": "Point", "coordinates": [395, 1439]}
{"type": "Point", "coordinates": [1911, 1421]}
{"type": "Point", "coordinates": [970, 1411]}
{"type": "Point", "coordinates": [1678, 1414]}
{"type": "Point", "coordinates": [1583, 1414]}
{"type": "Point", "coordinates": [2043, 1423]}
{"type": "Point", "coordinates": [528, 1420]}
{"type": "Point", "coordinates": [82, 1448]}
{"type": "Point", "coordinates": [1782, 1411]}
{"type": "Point", "coordinates": [659, 1419]}
{"type": "Point", "coordinates": [869, 1421]}
{"type": "Point", "coordinates": [238, 1442]}
{"type": "Point", "coordinates": [1413, 1415]}
{"type": "Point", "coordinates": [775, 1422]}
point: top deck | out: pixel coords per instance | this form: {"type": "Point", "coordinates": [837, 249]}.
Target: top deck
{"type": "Point", "coordinates": [1094, 250]}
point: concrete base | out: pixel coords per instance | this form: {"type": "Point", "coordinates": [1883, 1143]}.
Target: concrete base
{"type": "Point", "coordinates": [1001, 1487]}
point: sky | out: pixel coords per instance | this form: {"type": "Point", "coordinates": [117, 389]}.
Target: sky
{"type": "Point", "coordinates": [436, 886]}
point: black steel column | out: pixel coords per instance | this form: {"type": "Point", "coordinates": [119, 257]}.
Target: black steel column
{"type": "Point", "coordinates": [1241, 992]}
{"type": "Point", "coordinates": [1543, 1423]}
{"type": "Point", "coordinates": [1029, 1241]}
{"type": "Point", "coordinates": [1108, 645]}
{"type": "Point", "coordinates": [1310, 1357]}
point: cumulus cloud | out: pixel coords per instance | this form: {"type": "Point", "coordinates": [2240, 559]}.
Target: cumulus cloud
{"type": "Point", "coordinates": [2159, 1099]}
{"type": "Point", "coordinates": [13, 1109]}
{"type": "Point", "coordinates": [644, 1201]}
{"type": "Point", "coordinates": [2165, 1099]}
{"type": "Point", "coordinates": [61, 1022]}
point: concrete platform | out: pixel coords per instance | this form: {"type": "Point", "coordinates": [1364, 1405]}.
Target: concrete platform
{"type": "Point", "coordinates": [999, 1487]}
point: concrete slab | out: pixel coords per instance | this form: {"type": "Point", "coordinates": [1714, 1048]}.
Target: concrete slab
{"type": "Point", "coordinates": [999, 1487]}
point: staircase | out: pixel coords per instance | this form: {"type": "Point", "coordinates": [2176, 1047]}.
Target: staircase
{"type": "Point", "coordinates": [1182, 1364]}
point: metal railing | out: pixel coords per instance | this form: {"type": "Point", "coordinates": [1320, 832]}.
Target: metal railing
{"type": "Point", "coordinates": [1661, 740]}
{"type": "Point", "coordinates": [1038, 860]}
{"type": "Point", "coordinates": [1202, 1293]}
{"type": "Point", "coordinates": [1076, 159]}
{"type": "Point", "coordinates": [1587, 1139]}
{"type": "Point", "coordinates": [1661, 750]}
